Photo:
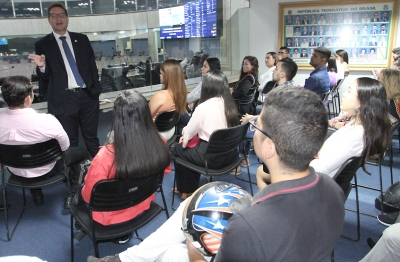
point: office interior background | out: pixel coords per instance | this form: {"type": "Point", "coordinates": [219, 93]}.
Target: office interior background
{"type": "Point", "coordinates": [133, 29]}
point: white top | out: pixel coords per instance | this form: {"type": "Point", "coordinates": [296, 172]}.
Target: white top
{"type": "Point", "coordinates": [263, 79]}
{"type": "Point", "coordinates": [26, 126]}
{"type": "Point", "coordinates": [345, 143]}
{"type": "Point", "coordinates": [208, 117]}
{"type": "Point", "coordinates": [340, 70]}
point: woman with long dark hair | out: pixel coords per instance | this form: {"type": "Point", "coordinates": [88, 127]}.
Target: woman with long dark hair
{"type": "Point", "coordinates": [172, 97]}
{"type": "Point", "coordinates": [390, 78]}
{"type": "Point", "coordinates": [216, 110]}
{"type": "Point", "coordinates": [248, 79]}
{"type": "Point", "coordinates": [366, 134]}
{"type": "Point", "coordinates": [134, 150]}
{"type": "Point", "coordinates": [332, 70]}
{"type": "Point", "coordinates": [342, 63]}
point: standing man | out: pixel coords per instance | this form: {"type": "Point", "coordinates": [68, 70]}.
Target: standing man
{"type": "Point", "coordinates": [66, 59]}
{"type": "Point", "coordinates": [318, 81]}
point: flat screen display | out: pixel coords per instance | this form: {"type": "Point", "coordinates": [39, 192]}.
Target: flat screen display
{"type": "Point", "coordinates": [3, 41]}
{"type": "Point", "coordinates": [200, 19]}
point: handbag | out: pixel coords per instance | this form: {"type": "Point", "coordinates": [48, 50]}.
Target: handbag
{"type": "Point", "coordinates": [193, 142]}
{"type": "Point", "coordinates": [84, 169]}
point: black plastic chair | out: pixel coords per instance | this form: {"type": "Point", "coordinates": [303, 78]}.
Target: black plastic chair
{"type": "Point", "coordinates": [165, 121]}
{"type": "Point", "coordinates": [221, 142]}
{"type": "Point", "coordinates": [343, 178]}
{"type": "Point", "coordinates": [114, 195]}
{"type": "Point", "coordinates": [28, 156]}
{"type": "Point", "coordinates": [335, 98]}
{"type": "Point", "coordinates": [378, 161]}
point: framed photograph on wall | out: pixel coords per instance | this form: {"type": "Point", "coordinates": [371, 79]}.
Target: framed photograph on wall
{"type": "Point", "coordinates": [365, 29]}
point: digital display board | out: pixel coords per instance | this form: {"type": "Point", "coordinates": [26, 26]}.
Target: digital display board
{"type": "Point", "coordinates": [200, 20]}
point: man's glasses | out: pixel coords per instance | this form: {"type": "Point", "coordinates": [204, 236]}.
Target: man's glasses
{"type": "Point", "coordinates": [281, 53]}
{"type": "Point", "coordinates": [253, 127]}
{"type": "Point", "coordinates": [60, 15]}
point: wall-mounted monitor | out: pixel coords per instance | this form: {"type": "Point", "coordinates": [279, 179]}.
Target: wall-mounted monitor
{"type": "Point", "coordinates": [3, 41]}
{"type": "Point", "coordinates": [202, 18]}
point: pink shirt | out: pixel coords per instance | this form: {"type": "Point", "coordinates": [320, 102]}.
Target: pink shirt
{"type": "Point", "coordinates": [208, 117]}
{"type": "Point", "coordinates": [26, 126]}
{"type": "Point", "coordinates": [102, 168]}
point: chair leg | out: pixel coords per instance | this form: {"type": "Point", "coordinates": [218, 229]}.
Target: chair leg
{"type": "Point", "coordinates": [357, 213]}
{"type": "Point", "coordinates": [164, 202]}
{"type": "Point", "coordinates": [138, 237]}
{"type": "Point", "coordinates": [380, 184]}
{"type": "Point", "coordinates": [72, 238]}
{"type": "Point", "coordinates": [96, 247]}
{"type": "Point", "coordinates": [6, 206]}
{"type": "Point", "coordinates": [173, 194]}
{"type": "Point", "coordinates": [250, 184]}
{"type": "Point", "coordinates": [333, 256]}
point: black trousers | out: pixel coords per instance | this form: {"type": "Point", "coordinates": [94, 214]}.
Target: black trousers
{"type": "Point", "coordinates": [82, 112]}
{"type": "Point", "coordinates": [73, 156]}
{"type": "Point", "coordinates": [187, 181]}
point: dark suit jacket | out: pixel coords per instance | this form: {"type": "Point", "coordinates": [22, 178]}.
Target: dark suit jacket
{"type": "Point", "coordinates": [305, 22]}
{"type": "Point", "coordinates": [313, 33]}
{"type": "Point", "coordinates": [320, 44]}
{"type": "Point", "coordinates": [303, 55]}
{"type": "Point", "coordinates": [56, 73]}
{"type": "Point", "coordinates": [312, 44]}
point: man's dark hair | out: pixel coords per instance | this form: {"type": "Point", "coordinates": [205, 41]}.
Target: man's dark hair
{"type": "Point", "coordinates": [15, 89]}
{"type": "Point", "coordinates": [325, 52]}
{"type": "Point", "coordinates": [289, 67]}
{"type": "Point", "coordinates": [396, 51]}
{"type": "Point", "coordinates": [287, 50]}
{"type": "Point", "coordinates": [296, 121]}
{"type": "Point", "coordinates": [56, 4]}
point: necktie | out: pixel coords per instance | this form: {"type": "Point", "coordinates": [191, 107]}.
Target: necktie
{"type": "Point", "coordinates": [71, 61]}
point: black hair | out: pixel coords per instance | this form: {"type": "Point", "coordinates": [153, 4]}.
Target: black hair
{"type": "Point", "coordinates": [332, 64]}
{"type": "Point", "coordinates": [139, 149]}
{"type": "Point", "coordinates": [213, 63]}
{"type": "Point", "coordinates": [215, 84]}
{"type": "Point", "coordinates": [325, 52]}
{"type": "Point", "coordinates": [56, 4]}
{"type": "Point", "coordinates": [15, 89]}
{"type": "Point", "coordinates": [273, 54]}
{"type": "Point", "coordinates": [343, 54]}
{"type": "Point", "coordinates": [373, 114]}
{"type": "Point", "coordinates": [289, 67]}
{"type": "Point", "coordinates": [254, 62]}
{"type": "Point", "coordinates": [296, 121]}
{"type": "Point", "coordinates": [286, 49]}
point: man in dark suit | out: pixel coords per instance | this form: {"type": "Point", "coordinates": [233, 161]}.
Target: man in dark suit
{"type": "Point", "coordinates": [375, 18]}
{"type": "Point", "coordinates": [305, 20]}
{"type": "Point", "coordinates": [303, 53]}
{"type": "Point", "coordinates": [66, 59]}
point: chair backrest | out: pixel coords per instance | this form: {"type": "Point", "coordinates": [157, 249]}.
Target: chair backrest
{"type": "Point", "coordinates": [225, 140]}
{"type": "Point", "coordinates": [346, 173]}
{"type": "Point", "coordinates": [324, 96]}
{"type": "Point", "coordinates": [112, 195]}
{"type": "Point", "coordinates": [30, 156]}
{"type": "Point", "coordinates": [167, 120]}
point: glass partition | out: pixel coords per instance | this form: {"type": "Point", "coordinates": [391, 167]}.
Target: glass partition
{"type": "Point", "coordinates": [131, 59]}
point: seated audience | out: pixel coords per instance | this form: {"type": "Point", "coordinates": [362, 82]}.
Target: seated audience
{"type": "Point", "coordinates": [343, 58]}
{"type": "Point", "coordinates": [216, 110]}
{"type": "Point", "coordinates": [390, 79]}
{"type": "Point", "coordinates": [283, 74]}
{"type": "Point", "coordinates": [318, 81]}
{"type": "Point", "coordinates": [285, 117]}
{"type": "Point", "coordinates": [284, 52]}
{"type": "Point", "coordinates": [211, 63]}
{"type": "Point", "coordinates": [366, 134]}
{"type": "Point", "coordinates": [248, 80]}
{"type": "Point", "coordinates": [270, 62]}
{"type": "Point", "coordinates": [172, 97]}
{"type": "Point", "coordinates": [332, 70]}
{"type": "Point", "coordinates": [135, 150]}
{"type": "Point", "coordinates": [22, 125]}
